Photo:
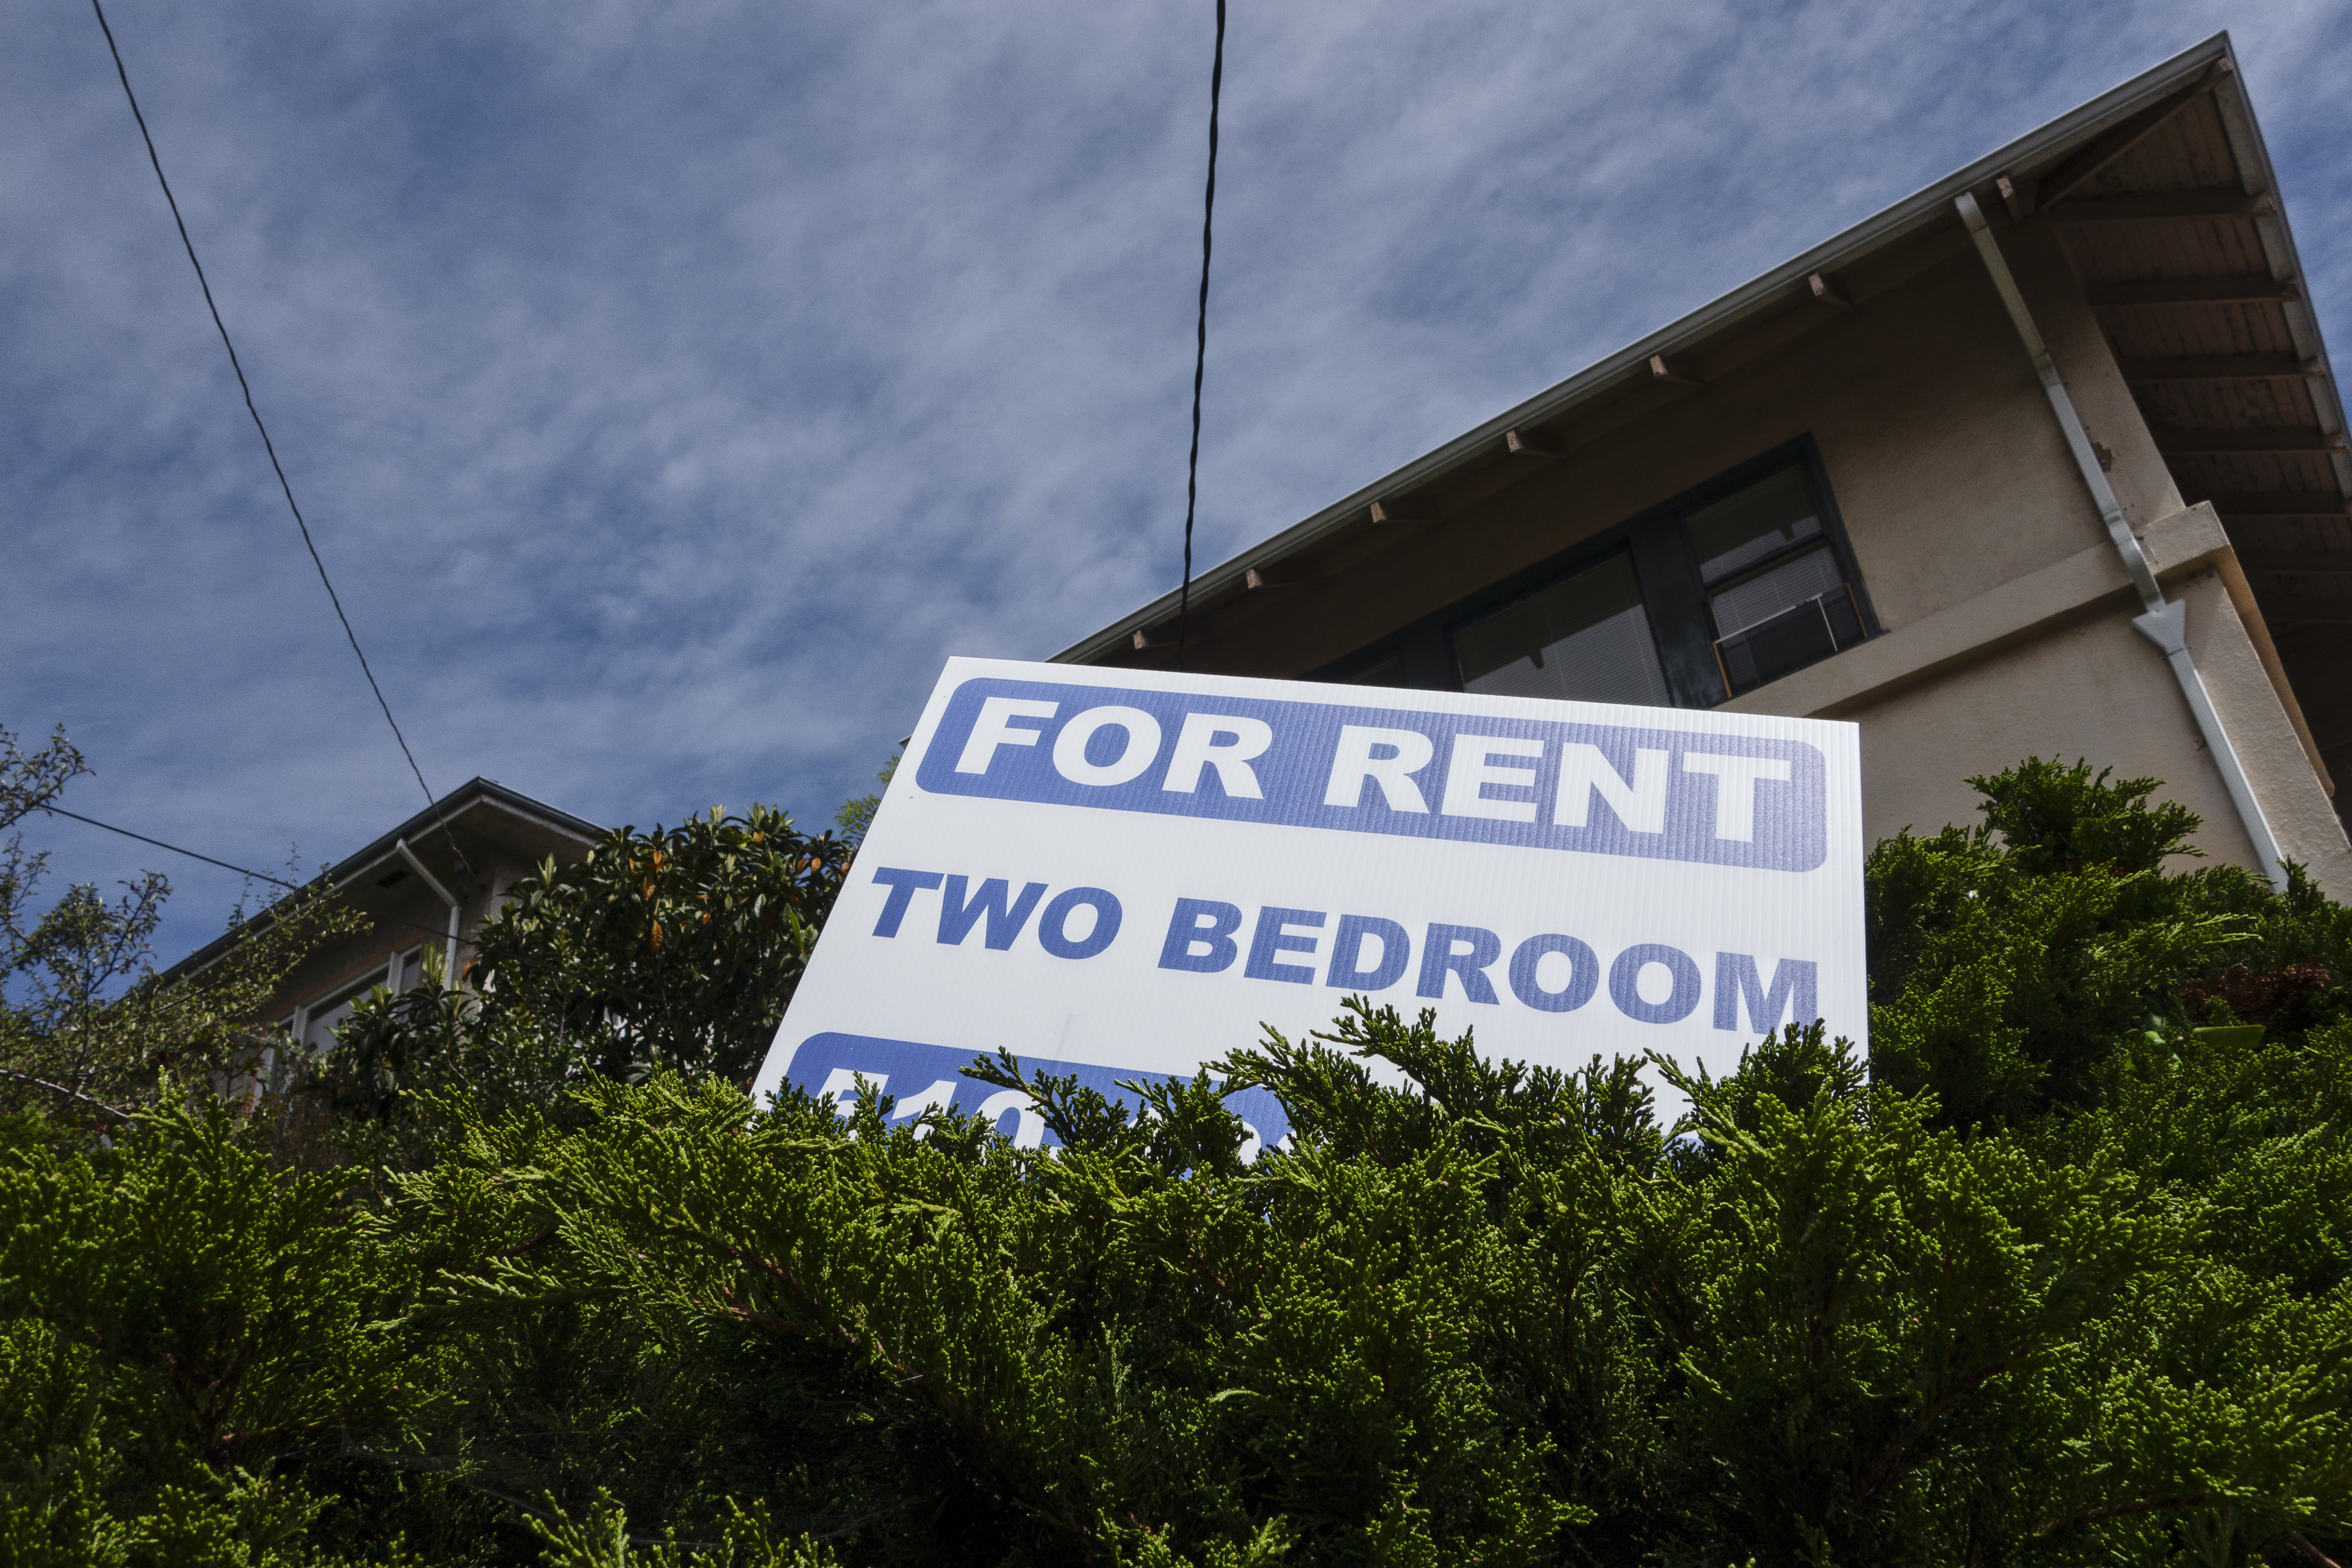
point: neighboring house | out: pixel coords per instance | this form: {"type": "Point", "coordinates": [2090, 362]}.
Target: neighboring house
{"type": "Point", "coordinates": [427, 887]}
{"type": "Point", "coordinates": [2041, 460]}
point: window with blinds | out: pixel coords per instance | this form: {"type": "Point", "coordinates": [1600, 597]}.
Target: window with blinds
{"type": "Point", "coordinates": [1775, 592]}
{"type": "Point", "coordinates": [1736, 584]}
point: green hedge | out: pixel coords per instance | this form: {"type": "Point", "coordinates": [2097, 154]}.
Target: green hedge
{"type": "Point", "coordinates": [2058, 1276]}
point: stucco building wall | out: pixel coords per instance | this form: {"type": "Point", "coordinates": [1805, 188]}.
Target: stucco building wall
{"type": "Point", "coordinates": [2145, 236]}
{"type": "Point", "coordinates": [479, 841]}
{"type": "Point", "coordinates": [2004, 612]}
{"type": "Point", "coordinates": [1943, 459]}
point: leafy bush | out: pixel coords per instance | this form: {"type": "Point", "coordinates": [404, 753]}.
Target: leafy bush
{"type": "Point", "coordinates": [2063, 1274]}
{"type": "Point", "coordinates": [677, 948]}
{"type": "Point", "coordinates": [85, 1028]}
{"type": "Point", "coordinates": [670, 950]}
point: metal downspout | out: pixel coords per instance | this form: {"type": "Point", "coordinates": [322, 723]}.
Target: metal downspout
{"type": "Point", "coordinates": [2163, 622]}
{"type": "Point", "coordinates": [449, 960]}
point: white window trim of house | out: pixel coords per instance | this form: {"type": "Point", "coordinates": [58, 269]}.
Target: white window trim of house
{"type": "Point", "coordinates": [389, 975]}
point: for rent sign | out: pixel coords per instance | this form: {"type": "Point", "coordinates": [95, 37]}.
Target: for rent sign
{"type": "Point", "coordinates": [1121, 875]}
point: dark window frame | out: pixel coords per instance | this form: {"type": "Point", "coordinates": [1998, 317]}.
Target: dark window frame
{"type": "Point", "coordinates": [1667, 567]}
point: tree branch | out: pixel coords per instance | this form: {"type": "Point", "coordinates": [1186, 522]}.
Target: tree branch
{"type": "Point", "coordinates": [2121, 1509]}
{"type": "Point", "coordinates": [454, 1471]}
{"type": "Point", "coordinates": [2303, 1544]}
{"type": "Point", "coordinates": [122, 1116]}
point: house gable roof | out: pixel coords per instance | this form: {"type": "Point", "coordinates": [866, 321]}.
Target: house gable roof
{"type": "Point", "coordinates": [476, 801]}
{"type": "Point", "coordinates": [2178, 141]}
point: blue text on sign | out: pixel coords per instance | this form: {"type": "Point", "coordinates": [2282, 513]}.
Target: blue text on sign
{"type": "Point", "coordinates": [1550, 971]}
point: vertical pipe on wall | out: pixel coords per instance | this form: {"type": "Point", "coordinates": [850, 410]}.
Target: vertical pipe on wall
{"type": "Point", "coordinates": [449, 960]}
{"type": "Point", "coordinates": [2163, 622]}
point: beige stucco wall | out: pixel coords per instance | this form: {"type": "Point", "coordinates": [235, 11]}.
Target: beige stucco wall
{"type": "Point", "coordinates": [2095, 689]}
{"type": "Point", "coordinates": [2048, 665]}
{"type": "Point", "coordinates": [2035, 654]}
{"type": "Point", "coordinates": [498, 849]}
{"type": "Point", "coordinates": [1947, 466]}
{"type": "Point", "coordinates": [2284, 774]}
{"type": "Point", "coordinates": [1947, 461]}
{"type": "Point", "coordinates": [2006, 614]}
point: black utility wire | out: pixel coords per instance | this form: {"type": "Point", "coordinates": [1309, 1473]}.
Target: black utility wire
{"type": "Point", "coordinates": [325, 878]}
{"type": "Point", "coordinates": [258, 876]}
{"type": "Point", "coordinates": [267, 444]}
{"type": "Point", "coordinates": [93, 821]}
{"type": "Point", "coordinates": [1201, 339]}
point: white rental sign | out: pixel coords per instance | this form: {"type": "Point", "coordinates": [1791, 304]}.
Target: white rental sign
{"type": "Point", "coordinates": [1119, 873]}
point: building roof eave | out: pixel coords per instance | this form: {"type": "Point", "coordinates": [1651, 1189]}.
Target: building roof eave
{"type": "Point", "coordinates": [1926, 208]}
{"type": "Point", "coordinates": [340, 875]}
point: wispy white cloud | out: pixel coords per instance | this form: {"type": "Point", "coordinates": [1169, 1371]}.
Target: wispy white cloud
{"type": "Point", "coordinates": [672, 388]}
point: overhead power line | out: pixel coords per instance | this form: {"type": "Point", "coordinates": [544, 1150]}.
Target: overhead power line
{"type": "Point", "coordinates": [268, 446]}
{"type": "Point", "coordinates": [525, 961]}
{"type": "Point", "coordinates": [93, 821]}
{"type": "Point", "coordinates": [324, 876]}
{"type": "Point", "coordinates": [1200, 341]}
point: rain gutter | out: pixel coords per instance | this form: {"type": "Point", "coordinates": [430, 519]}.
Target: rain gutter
{"type": "Point", "coordinates": [449, 959]}
{"type": "Point", "coordinates": [2162, 622]}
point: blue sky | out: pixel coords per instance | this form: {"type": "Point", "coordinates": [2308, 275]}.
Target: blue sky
{"type": "Point", "coordinates": [671, 388]}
